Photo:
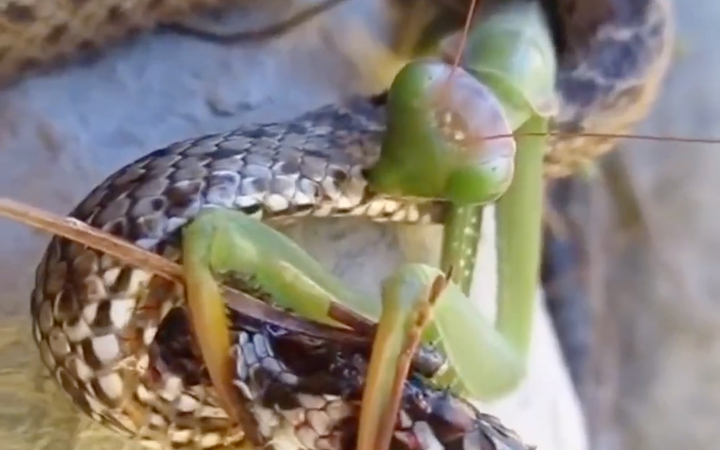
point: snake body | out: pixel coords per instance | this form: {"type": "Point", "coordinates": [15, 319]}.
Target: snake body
{"type": "Point", "coordinates": [100, 326]}
{"type": "Point", "coordinates": [97, 320]}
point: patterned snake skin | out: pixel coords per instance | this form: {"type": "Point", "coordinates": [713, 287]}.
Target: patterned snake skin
{"type": "Point", "coordinates": [96, 321]}
{"type": "Point", "coordinates": [111, 334]}
{"type": "Point", "coordinates": [613, 53]}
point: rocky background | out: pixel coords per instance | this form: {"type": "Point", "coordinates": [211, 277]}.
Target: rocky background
{"type": "Point", "coordinates": [655, 284]}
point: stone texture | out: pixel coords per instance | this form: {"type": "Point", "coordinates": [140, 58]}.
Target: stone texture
{"type": "Point", "coordinates": [661, 291]}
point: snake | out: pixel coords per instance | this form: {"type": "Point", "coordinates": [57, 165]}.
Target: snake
{"type": "Point", "coordinates": [111, 334]}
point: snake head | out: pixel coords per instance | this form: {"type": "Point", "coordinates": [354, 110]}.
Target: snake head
{"type": "Point", "coordinates": [436, 145]}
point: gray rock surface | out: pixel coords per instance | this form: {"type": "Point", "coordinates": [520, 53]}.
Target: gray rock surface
{"type": "Point", "coordinates": [662, 292]}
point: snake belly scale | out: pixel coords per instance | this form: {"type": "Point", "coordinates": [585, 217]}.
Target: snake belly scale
{"type": "Point", "coordinates": [97, 323]}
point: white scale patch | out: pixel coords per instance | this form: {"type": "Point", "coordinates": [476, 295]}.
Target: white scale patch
{"type": "Point", "coordinates": [212, 412]}
{"type": "Point", "coordinates": [175, 223]}
{"type": "Point", "coordinates": [106, 348]}
{"type": "Point", "coordinates": [319, 421]}
{"type": "Point", "coordinates": [112, 385]}
{"type": "Point", "coordinates": [95, 289]}
{"type": "Point", "coordinates": [210, 440]}
{"type": "Point", "coordinates": [276, 202]}
{"type": "Point", "coordinates": [142, 364]}
{"type": "Point", "coordinates": [375, 208]}
{"type": "Point", "coordinates": [151, 443]}
{"type": "Point", "coordinates": [223, 193]}
{"type": "Point", "coordinates": [404, 420]}
{"type": "Point", "coordinates": [149, 334]}
{"type": "Point", "coordinates": [294, 416]}
{"type": "Point", "coordinates": [145, 395]}
{"type": "Point", "coordinates": [310, 401]}
{"type": "Point", "coordinates": [180, 436]}
{"type": "Point", "coordinates": [245, 390]}
{"type": "Point", "coordinates": [411, 214]}
{"type": "Point", "coordinates": [286, 439]}
{"type": "Point", "coordinates": [306, 436]}
{"type": "Point", "coordinates": [323, 210]}
{"type": "Point", "coordinates": [301, 198]}
{"type": "Point", "coordinates": [245, 201]}
{"type": "Point", "coordinates": [309, 189]}
{"type": "Point", "coordinates": [58, 343]}
{"type": "Point", "coordinates": [139, 279]}
{"type": "Point", "coordinates": [427, 438]}
{"type": "Point", "coordinates": [81, 369]}
{"type": "Point", "coordinates": [121, 311]}
{"type": "Point", "coordinates": [37, 333]}
{"type": "Point", "coordinates": [267, 420]}
{"type": "Point", "coordinates": [338, 409]}
{"type": "Point", "coordinates": [157, 420]}
{"type": "Point", "coordinates": [77, 332]}
{"type": "Point", "coordinates": [111, 275]}
{"type": "Point", "coordinates": [330, 189]}
{"type": "Point", "coordinates": [348, 201]}
{"type": "Point", "coordinates": [172, 388]}
{"type": "Point", "coordinates": [187, 403]}
{"type": "Point", "coordinates": [89, 312]}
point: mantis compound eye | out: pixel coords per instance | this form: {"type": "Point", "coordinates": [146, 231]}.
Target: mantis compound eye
{"type": "Point", "coordinates": [436, 142]}
{"type": "Point", "coordinates": [525, 80]}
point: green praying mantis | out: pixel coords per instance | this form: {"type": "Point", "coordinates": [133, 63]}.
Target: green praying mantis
{"type": "Point", "coordinates": [436, 147]}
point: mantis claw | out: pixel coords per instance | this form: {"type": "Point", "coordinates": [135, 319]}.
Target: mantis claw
{"type": "Point", "coordinates": [208, 320]}
{"type": "Point", "coordinates": [407, 309]}
{"type": "Point", "coordinates": [222, 241]}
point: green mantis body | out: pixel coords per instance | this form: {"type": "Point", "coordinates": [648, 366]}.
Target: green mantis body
{"type": "Point", "coordinates": [424, 156]}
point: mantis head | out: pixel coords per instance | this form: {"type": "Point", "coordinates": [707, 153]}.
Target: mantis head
{"type": "Point", "coordinates": [435, 147]}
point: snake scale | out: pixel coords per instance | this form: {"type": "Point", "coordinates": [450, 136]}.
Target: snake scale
{"type": "Point", "coordinates": [112, 335]}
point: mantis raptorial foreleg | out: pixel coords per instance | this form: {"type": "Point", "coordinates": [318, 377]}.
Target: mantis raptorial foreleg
{"type": "Point", "coordinates": [511, 53]}
{"type": "Point", "coordinates": [435, 147]}
{"type": "Point", "coordinates": [223, 242]}
{"type": "Point", "coordinates": [407, 309]}
{"type": "Point", "coordinates": [220, 242]}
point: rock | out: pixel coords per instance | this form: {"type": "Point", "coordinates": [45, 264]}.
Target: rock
{"type": "Point", "coordinates": [661, 284]}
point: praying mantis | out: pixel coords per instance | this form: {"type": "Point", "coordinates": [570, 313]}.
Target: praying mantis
{"type": "Point", "coordinates": [436, 147]}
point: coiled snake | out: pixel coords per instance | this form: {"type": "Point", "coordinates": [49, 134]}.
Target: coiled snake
{"type": "Point", "coordinates": [109, 333]}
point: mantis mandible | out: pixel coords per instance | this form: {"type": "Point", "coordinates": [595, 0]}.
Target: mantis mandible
{"type": "Point", "coordinates": [435, 146]}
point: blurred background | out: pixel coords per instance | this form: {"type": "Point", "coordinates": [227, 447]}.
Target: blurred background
{"type": "Point", "coordinates": [651, 225]}
{"type": "Point", "coordinates": [647, 216]}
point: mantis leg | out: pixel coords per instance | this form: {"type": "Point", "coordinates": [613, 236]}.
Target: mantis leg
{"type": "Point", "coordinates": [407, 302]}
{"type": "Point", "coordinates": [221, 242]}
{"type": "Point", "coordinates": [487, 360]}
{"type": "Point", "coordinates": [515, 33]}
{"type": "Point", "coordinates": [519, 225]}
